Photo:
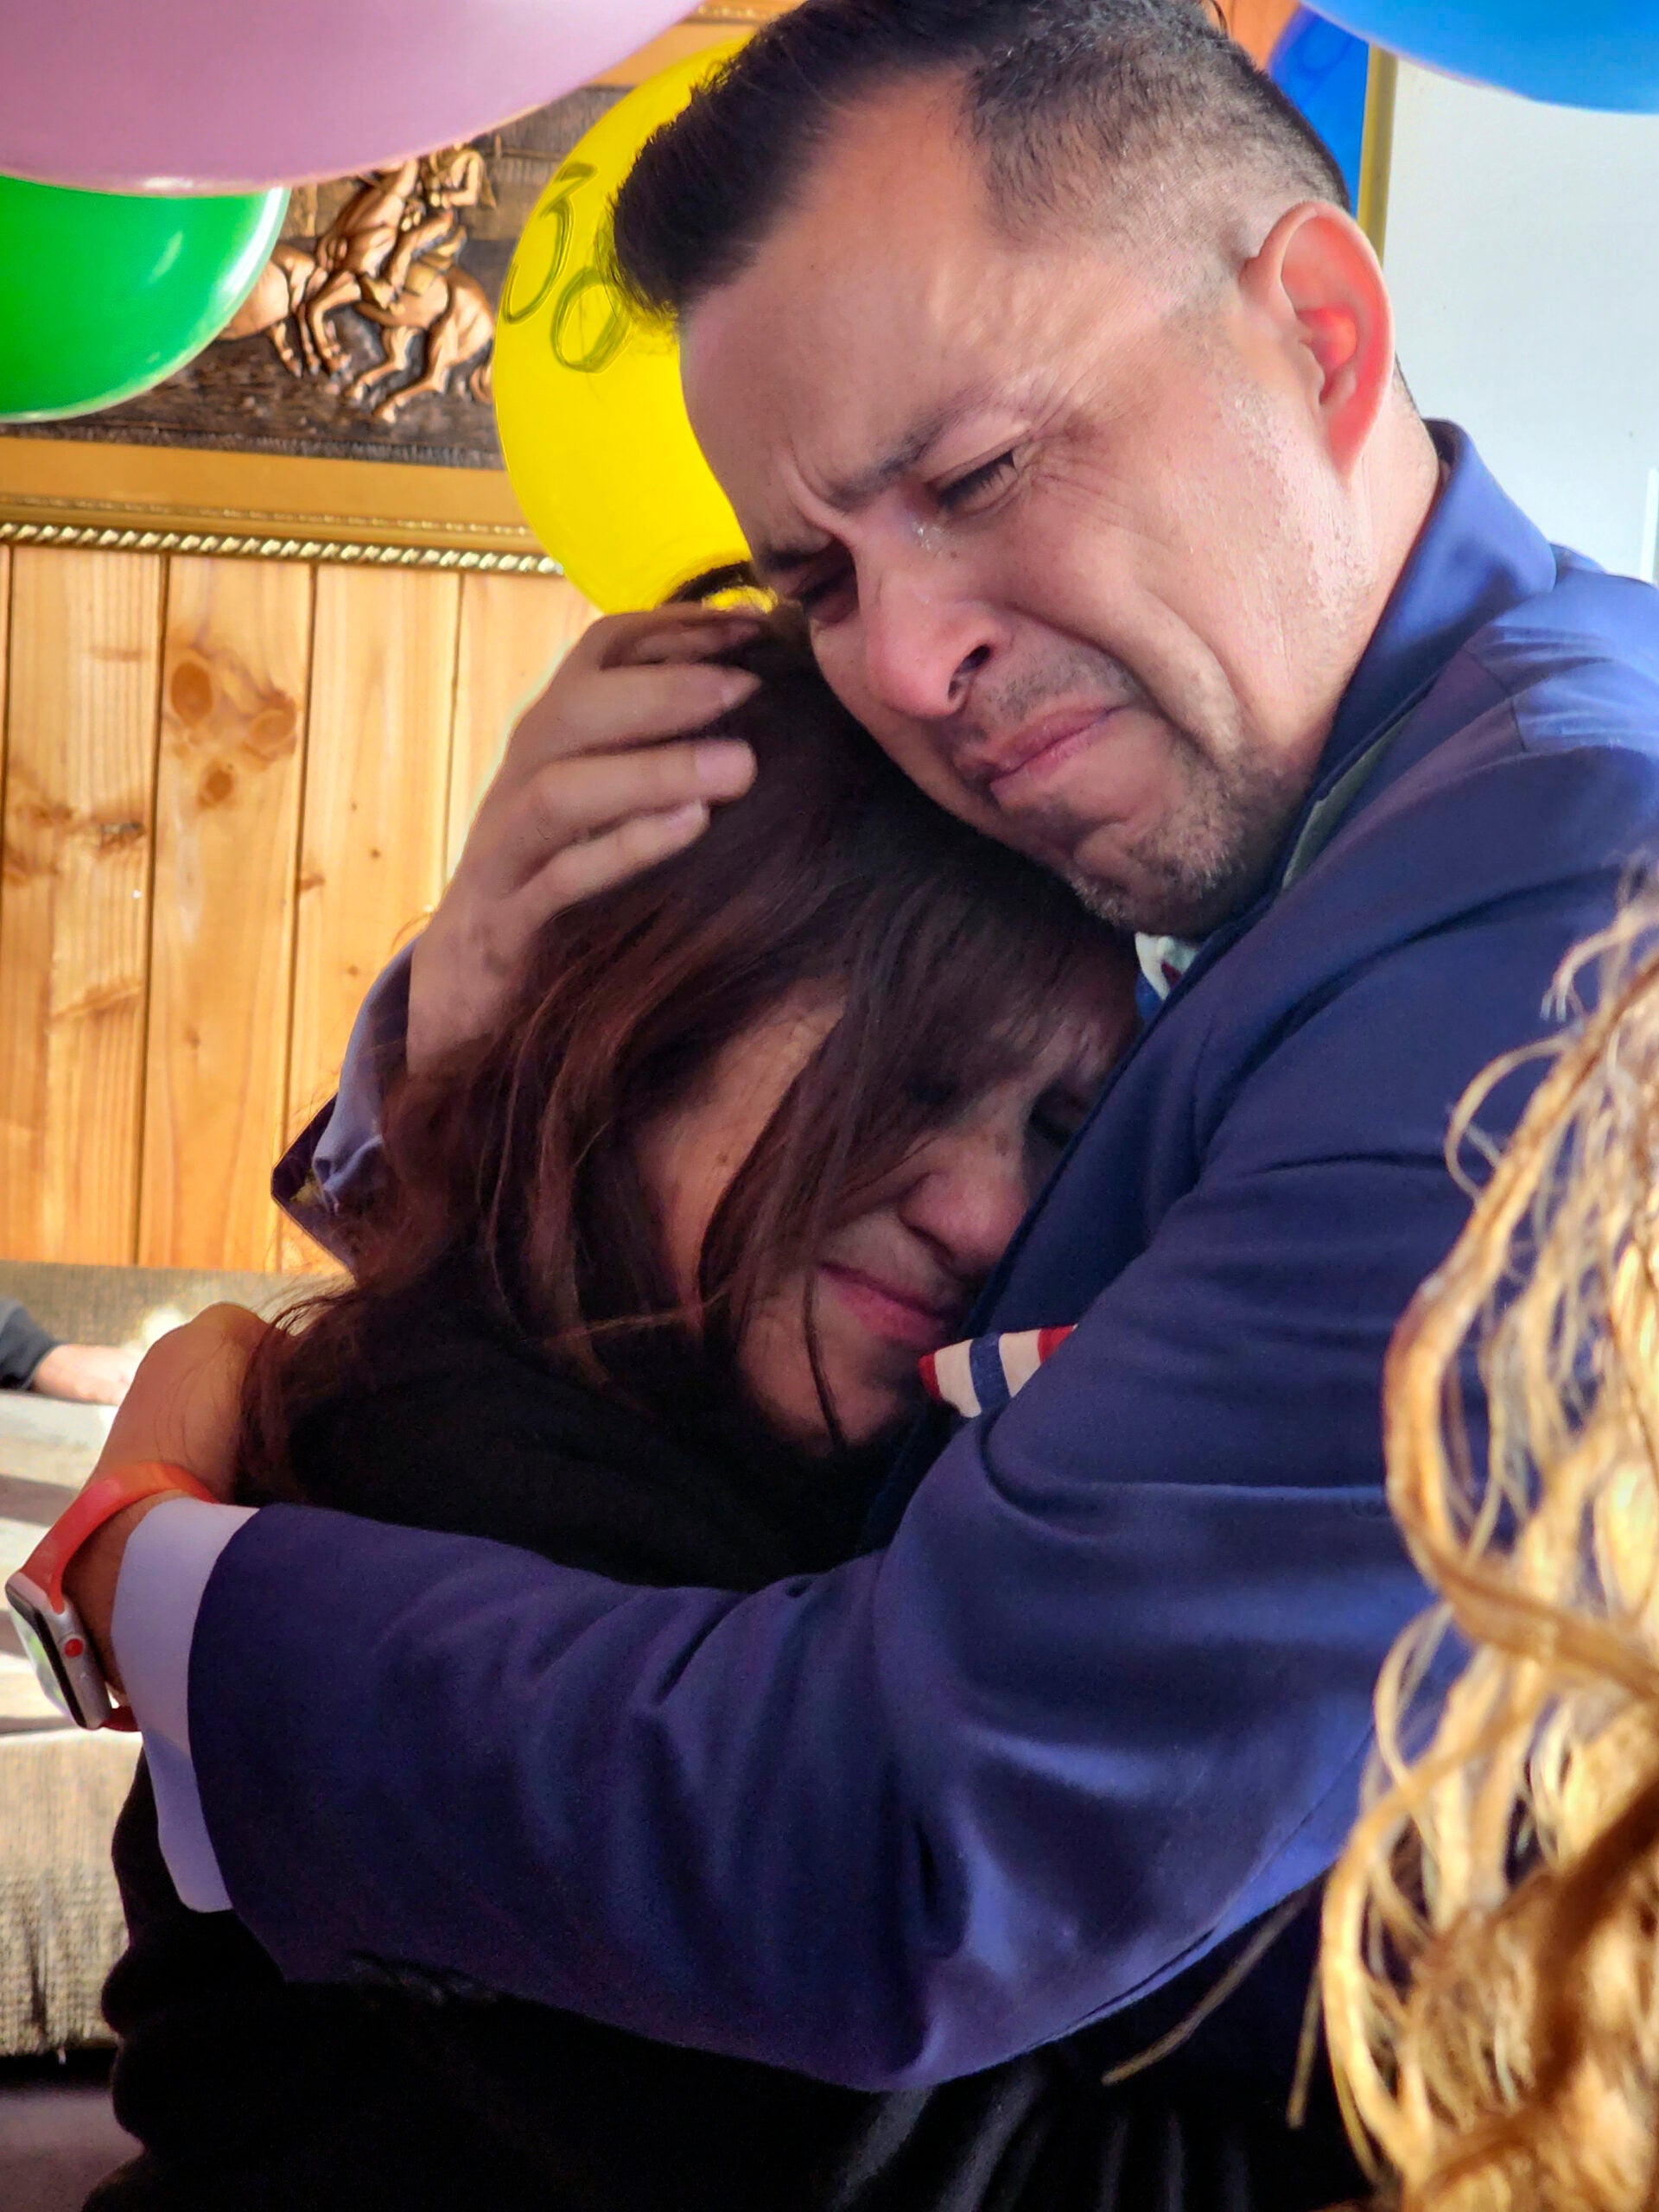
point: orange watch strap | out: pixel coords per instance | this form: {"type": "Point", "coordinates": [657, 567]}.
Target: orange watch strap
{"type": "Point", "coordinates": [104, 1496]}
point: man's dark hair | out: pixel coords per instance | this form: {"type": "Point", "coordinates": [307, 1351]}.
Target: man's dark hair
{"type": "Point", "coordinates": [1056, 94]}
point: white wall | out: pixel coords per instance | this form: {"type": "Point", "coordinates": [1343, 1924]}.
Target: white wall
{"type": "Point", "coordinates": [1523, 251]}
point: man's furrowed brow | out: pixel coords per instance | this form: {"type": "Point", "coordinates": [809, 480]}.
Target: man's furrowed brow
{"type": "Point", "coordinates": [849, 494]}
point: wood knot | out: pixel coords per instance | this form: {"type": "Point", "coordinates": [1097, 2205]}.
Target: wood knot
{"type": "Point", "coordinates": [275, 730]}
{"type": "Point", "coordinates": [217, 785]}
{"type": "Point", "coordinates": [190, 690]}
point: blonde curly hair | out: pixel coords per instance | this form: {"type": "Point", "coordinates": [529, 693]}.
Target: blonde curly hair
{"type": "Point", "coordinates": [1489, 1972]}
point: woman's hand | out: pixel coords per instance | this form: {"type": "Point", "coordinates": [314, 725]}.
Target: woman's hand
{"type": "Point", "coordinates": [184, 1407]}
{"type": "Point", "coordinates": [601, 780]}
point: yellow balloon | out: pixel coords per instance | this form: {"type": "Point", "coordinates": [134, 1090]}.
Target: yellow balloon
{"type": "Point", "coordinates": [588, 399]}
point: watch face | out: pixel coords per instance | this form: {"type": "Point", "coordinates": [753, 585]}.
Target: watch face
{"type": "Point", "coordinates": [41, 1649]}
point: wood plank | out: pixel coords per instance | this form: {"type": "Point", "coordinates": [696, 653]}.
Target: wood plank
{"type": "Point", "coordinates": [514, 632]}
{"type": "Point", "coordinates": [5, 670]}
{"type": "Point", "coordinates": [235, 665]}
{"type": "Point", "coordinates": [5, 621]}
{"type": "Point", "coordinates": [86, 635]}
{"type": "Point", "coordinates": [372, 842]}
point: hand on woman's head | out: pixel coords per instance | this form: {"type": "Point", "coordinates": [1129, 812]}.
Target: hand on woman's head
{"type": "Point", "coordinates": [602, 778]}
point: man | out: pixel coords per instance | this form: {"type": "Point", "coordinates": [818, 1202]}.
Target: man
{"type": "Point", "coordinates": [1046, 370]}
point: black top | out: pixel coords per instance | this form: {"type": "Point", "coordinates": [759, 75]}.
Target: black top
{"type": "Point", "coordinates": [249, 2093]}
{"type": "Point", "coordinates": [23, 1345]}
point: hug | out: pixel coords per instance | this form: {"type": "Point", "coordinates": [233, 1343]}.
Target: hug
{"type": "Point", "coordinates": [609, 1744]}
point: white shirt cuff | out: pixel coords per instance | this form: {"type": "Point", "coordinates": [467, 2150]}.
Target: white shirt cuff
{"type": "Point", "coordinates": [164, 1571]}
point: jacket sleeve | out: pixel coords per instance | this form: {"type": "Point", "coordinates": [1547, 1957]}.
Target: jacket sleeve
{"type": "Point", "coordinates": [23, 1345]}
{"type": "Point", "coordinates": [332, 1165]}
{"type": "Point", "coordinates": [1103, 1699]}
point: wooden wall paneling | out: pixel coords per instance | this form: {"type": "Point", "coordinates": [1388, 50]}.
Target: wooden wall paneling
{"type": "Point", "coordinates": [5, 616]}
{"type": "Point", "coordinates": [514, 632]}
{"type": "Point", "coordinates": [6, 622]}
{"type": "Point", "coordinates": [377, 782]}
{"type": "Point", "coordinates": [5, 664]}
{"type": "Point", "coordinates": [84, 652]}
{"type": "Point", "coordinates": [235, 668]}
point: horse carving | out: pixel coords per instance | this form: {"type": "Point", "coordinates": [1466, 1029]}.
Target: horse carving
{"type": "Point", "coordinates": [390, 255]}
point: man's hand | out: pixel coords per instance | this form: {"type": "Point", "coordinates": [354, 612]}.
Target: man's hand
{"type": "Point", "coordinates": [184, 1407]}
{"type": "Point", "coordinates": [601, 781]}
{"type": "Point", "coordinates": [89, 1375]}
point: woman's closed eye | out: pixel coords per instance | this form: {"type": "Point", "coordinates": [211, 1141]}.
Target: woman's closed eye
{"type": "Point", "coordinates": [1055, 1119]}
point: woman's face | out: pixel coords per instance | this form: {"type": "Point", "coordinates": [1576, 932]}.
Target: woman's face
{"type": "Point", "coordinates": [897, 1281]}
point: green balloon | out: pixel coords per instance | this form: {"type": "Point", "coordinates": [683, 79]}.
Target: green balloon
{"type": "Point", "coordinates": [102, 293]}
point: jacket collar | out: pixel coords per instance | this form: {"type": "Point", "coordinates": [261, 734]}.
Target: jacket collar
{"type": "Point", "coordinates": [1475, 555]}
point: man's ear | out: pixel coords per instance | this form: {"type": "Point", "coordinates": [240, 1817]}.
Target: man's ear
{"type": "Point", "coordinates": [1318, 283]}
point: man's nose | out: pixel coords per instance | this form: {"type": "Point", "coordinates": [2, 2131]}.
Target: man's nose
{"type": "Point", "coordinates": [925, 641]}
{"type": "Point", "coordinates": [969, 1194]}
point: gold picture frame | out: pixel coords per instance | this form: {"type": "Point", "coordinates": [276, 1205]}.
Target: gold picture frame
{"type": "Point", "coordinates": [179, 499]}
{"type": "Point", "coordinates": [168, 497]}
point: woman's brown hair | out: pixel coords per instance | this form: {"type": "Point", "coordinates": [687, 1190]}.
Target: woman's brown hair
{"type": "Point", "coordinates": [519, 1159]}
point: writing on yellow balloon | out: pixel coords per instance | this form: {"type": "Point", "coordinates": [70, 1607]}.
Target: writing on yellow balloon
{"type": "Point", "coordinates": [588, 403]}
{"type": "Point", "coordinates": [580, 340]}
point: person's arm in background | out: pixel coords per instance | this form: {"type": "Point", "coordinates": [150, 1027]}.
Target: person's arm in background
{"type": "Point", "coordinates": [32, 1358]}
{"type": "Point", "coordinates": [23, 1345]}
{"type": "Point", "coordinates": [593, 788]}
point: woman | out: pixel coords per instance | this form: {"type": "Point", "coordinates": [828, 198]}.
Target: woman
{"type": "Point", "coordinates": [645, 1290]}
{"type": "Point", "coordinates": [1490, 1963]}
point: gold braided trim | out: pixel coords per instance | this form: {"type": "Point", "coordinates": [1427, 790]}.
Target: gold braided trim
{"type": "Point", "coordinates": [355, 552]}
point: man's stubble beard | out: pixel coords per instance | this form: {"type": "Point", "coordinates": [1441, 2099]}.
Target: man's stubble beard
{"type": "Point", "coordinates": [1211, 855]}
{"type": "Point", "coordinates": [1214, 847]}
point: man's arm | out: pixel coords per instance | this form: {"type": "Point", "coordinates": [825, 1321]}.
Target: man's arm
{"type": "Point", "coordinates": [1104, 1698]}
{"type": "Point", "coordinates": [331, 1166]}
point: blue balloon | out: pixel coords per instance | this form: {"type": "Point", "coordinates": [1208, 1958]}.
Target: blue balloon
{"type": "Point", "coordinates": [1324, 70]}
{"type": "Point", "coordinates": [1592, 53]}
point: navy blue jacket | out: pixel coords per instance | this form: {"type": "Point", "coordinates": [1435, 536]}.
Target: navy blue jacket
{"type": "Point", "coordinates": [1103, 1698]}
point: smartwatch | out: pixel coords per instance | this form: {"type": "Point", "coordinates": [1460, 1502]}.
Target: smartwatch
{"type": "Point", "coordinates": [63, 1655]}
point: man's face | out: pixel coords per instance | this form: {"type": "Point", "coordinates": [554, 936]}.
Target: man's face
{"type": "Point", "coordinates": [1063, 523]}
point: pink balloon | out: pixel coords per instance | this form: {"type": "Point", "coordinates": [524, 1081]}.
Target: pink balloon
{"type": "Point", "coordinates": [236, 95]}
